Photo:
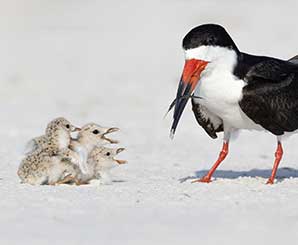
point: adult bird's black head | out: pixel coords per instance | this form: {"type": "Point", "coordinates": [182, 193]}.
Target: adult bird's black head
{"type": "Point", "coordinates": [202, 45]}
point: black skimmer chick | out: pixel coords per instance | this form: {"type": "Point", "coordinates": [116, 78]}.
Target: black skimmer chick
{"type": "Point", "coordinates": [232, 90]}
{"type": "Point", "coordinates": [45, 169]}
{"type": "Point", "coordinates": [56, 137]}
{"type": "Point", "coordinates": [89, 146]}
{"type": "Point", "coordinates": [91, 136]}
{"type": "Point", "coordinates": [53, 162]}
{"type": "Point", "coordinates": [45, 153]}
{"type": "Point", "coordinates": [100, 161]}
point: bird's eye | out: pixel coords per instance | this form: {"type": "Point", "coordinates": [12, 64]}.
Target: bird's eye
{"type": "Point", "coordinates": [108, 153]}
{"type": "Point", "coordinates": [95, 131]}
{"type": "Point", "coordinates": [67, 126]}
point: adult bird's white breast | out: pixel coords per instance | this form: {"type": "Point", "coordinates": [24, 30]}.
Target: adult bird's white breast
{"type": "Point", "coordinates": [219, 89]}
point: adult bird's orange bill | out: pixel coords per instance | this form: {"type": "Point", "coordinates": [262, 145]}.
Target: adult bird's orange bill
{"type": "Point", "coordinates": [231, 90]}
{"type": "Point", "coordinates": [189, 80]}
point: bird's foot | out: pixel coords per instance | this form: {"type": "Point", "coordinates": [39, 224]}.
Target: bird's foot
{"type": "Point", "coordinates": [205, 179]}
{"type": "Point", "coordinates": [270, 181]}
{"type": "Point", "coordinates": [67, 179]}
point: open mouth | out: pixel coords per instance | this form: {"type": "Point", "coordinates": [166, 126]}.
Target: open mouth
{"type": "Point", "coordinates": [110, 130]}
{"type": "Point", "coordinates": [120, 161]}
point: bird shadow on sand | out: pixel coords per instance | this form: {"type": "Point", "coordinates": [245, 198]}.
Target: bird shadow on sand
{"type": "Point", "coordinates": [282, 173]}
{"type": "Point", "coordinates": [119, 181]}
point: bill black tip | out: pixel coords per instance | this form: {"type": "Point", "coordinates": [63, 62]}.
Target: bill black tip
{"type": "Point", "coordinates": [172, 134]}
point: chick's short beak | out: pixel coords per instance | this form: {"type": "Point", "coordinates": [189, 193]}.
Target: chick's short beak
{"type": "Point", "coordinates": [75, 129]}
{"type": "Point", "coordinates": [121, 161]}
{"type": "Point", "coordinates": [111, 130]}
{"type": "Point", "coordinates": [120, 150]}
{"type": "Point", "coordinates": [108, 131]}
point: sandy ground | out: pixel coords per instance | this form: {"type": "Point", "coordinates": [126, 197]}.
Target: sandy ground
{"type": "Point", "coordinates": [118, 64]}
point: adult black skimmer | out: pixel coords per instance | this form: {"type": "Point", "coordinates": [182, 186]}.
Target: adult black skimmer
{"type": "Point", "coordinates": [231, 90]}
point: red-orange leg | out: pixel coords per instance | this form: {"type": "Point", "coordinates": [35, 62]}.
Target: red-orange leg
{"type": "Point", "coordinates": [222, 155]}
{"type": "Point", "coordinates": [278, 156]}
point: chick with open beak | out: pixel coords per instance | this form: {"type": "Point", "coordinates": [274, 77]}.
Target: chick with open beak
{"type": "Point", "coordinates": [58, 158]}
{"type": "Point", "coordinates": [95, 135]}
{"type": "Point", "coordinates": [103, 160]}
{"type": "Point", "coordinates": [97, 158]}
{"type": "Point", "coordinates": [90, 136]}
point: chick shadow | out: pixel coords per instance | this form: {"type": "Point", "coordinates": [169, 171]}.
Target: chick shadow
{"type": "Point", "coordinates": [282, 173]}
{"type": "Point", "coordinates": [119, 181]}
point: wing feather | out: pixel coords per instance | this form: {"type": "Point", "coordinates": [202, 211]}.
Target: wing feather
{"type": "Point", "coordinates": [211, 123]}
{"type": "Point", "coordinates": [271, 96]}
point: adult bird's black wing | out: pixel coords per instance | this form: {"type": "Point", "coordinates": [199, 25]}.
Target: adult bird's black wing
{"type": "Point", "coordinates": [294, 60]}
{"type": "Point", "coordinates": [270, 97]}
{"type": "Point", "coordinates": [211, 123]}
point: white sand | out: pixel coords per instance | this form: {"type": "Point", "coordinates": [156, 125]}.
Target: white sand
{"type": "Point", "coordinates": [118, 64]}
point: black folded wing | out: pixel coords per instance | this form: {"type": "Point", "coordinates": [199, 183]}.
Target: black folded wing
{"type": "Point", "coordinates": [270, 97]}
{"type": "Point", "coordinates": [210, 122]}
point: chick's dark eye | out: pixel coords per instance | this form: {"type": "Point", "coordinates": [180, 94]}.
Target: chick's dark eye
{"type": "Point", "coordinates": [67, 126]}
{"type": "Point", "coordinates": [108, 153]}
{"type": "Point", "coordinates": [95, 131]}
